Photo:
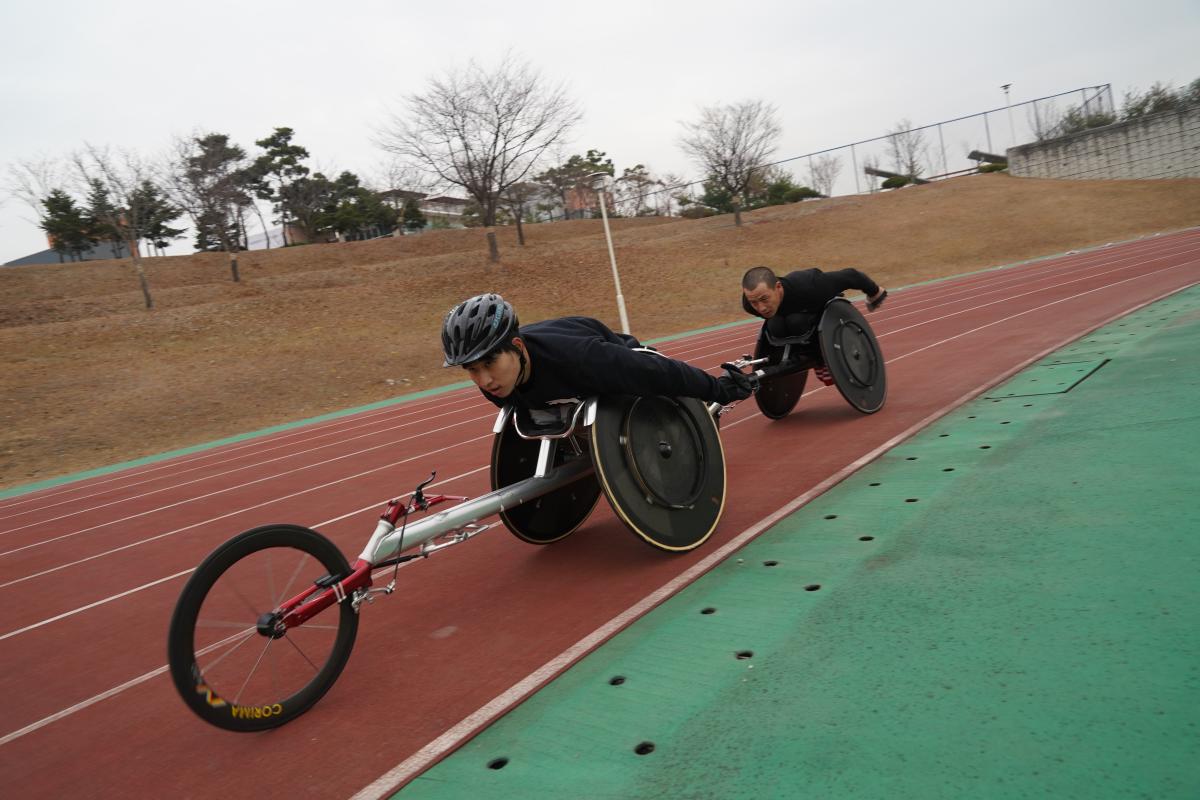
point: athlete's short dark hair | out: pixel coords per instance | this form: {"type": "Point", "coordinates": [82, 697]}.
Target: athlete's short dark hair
{"type": "Point", "coordinates": [756, 275]}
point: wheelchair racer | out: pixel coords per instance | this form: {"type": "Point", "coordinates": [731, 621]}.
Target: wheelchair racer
{"type": "Point", "coordinates": [562, 361]}
{"type": "Point", "coordinates": [792, 305]}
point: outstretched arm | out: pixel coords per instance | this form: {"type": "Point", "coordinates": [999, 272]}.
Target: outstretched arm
{"type": "Point", "coordinates": [614, 369]}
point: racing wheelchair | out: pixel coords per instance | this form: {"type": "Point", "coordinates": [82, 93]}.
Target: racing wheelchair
{"type": "Point", "coordinates": [266, 623]}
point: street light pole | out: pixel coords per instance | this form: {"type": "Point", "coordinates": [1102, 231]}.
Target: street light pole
{"type": "Point", "coordinates": [1011, 130]}
{"type": "Point", "coordinates": [599, 179]}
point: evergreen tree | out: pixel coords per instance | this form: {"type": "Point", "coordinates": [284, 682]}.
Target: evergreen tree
{"type": "Point", "coordinates": [207, 181]}
{"type": "Point", "coordinates": [67, 225]}
{"type": "Point", "coordinates": [571, 176]}
{"type": "Point", "coordinates": [308, 202]}
{"type": "Point", "coordinates": [414, 220]}
{"type": "Point", "coordinates": [356, 212]}
{"type": "Point", "coordinates": [156, 212]}
{"type": "Point", "coordinates": [277, 169]}
{"type": "Point", "coordinates": [105, 217]}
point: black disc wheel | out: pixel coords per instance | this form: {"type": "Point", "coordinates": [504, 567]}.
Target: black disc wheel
{"type": "Point", "coordinates": [778, 394]}
{"type": "Point", "coordinates": [231, 659]}
{"type": "Point", "coordinates": [662, 467]}
{"type": "Point", "coordinates": [853, 357]}
{"type": "Point", "coordinates": [554, 515]}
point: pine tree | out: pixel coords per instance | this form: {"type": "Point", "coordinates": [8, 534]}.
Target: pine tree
{"type": "Point", "coordinates": [414, 220]}
{"type": "Point", "coordinates": [155, 212]}
{"type": "Point", "coordinates": [277, 169]}
{"type": "Point", "coordinates": [66, 224]}
{"type": "Point", "coordinates": [105, 218]}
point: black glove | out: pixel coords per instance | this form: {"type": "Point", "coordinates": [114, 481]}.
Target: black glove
{"type": "Point", "coordinates": [734, 385]}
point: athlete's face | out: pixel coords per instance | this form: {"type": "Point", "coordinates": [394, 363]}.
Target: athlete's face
{"type": "Point", "coordinates": [498, 374]}
{"type": "Point", "coordinates": [765, 299]}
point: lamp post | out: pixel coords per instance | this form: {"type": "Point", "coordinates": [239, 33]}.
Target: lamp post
{"type": "Point", "coordinates": [1011, 131]}
{"type": "Point", "coordinates": [599, 183]}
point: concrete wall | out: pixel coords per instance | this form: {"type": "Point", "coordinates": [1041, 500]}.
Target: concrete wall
{"type": "Point", "coordinates": [1165, 145]}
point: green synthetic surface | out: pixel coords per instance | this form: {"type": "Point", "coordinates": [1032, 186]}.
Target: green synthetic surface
{"type": "Point", "coordinates": [1004, 606]}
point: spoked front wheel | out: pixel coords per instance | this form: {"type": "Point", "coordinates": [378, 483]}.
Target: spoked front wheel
{"type": "Point", "coordinates": [232, 660]}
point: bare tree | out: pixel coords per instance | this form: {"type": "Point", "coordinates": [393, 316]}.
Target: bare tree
{"type": "Point", "coordinates": [31, 181]}
{"type": "Point", "coordinates": [665, 201]}
{"type": "Point", "coordinates": [823, 173]}
{"type": "Point", "coordinates": [729, 142]}
{"type": "Point", "coordinates": [633, 189]}
{"type": "Point", "coordinates": [870, 163]}
{"type": "Point", "coordinates": [122, 177]}
{"type": "Point", "coordinates": [483, 129]}
{"type": "Point", "coordinates": [518, 199]}
{"type": "Point", "coordinates": [907, 149]}
{"type": "Point", "coordinates": [206, 178]}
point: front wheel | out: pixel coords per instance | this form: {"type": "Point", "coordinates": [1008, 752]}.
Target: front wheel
{"type": "Point", "coordinates": [232, 665]}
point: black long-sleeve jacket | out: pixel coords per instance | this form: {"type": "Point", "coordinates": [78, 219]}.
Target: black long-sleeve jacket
{"type": "Point", "coordinates": [577, 357]}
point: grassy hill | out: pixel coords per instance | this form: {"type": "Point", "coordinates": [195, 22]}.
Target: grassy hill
{"type": "Point", "coordinates": [90, 378]}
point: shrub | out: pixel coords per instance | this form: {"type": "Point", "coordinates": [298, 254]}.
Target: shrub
{"type": "Point", "coordinates": [896, 181]}
{"type": "Point", "coordinates": [993, 167]}
{"type": "Point", "coordinates": [800, 193]}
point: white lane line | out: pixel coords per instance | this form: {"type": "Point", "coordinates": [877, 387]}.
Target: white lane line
{"type": "Point", "coordinates": [244, 484]}
{"type": "Point", "coordinates": [213, 476]}
{"type": "Point", "coordinates": [191, 464]}
{"type": "Point", "coordinates": [156, 537]}
{"type": "Point", "coordinates": [376, 505]}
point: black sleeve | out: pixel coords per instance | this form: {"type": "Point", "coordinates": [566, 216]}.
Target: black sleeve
{"type": "Point", "coordinates": [838, 281]}
{"type": "Point", "coordinates": [610, 368]}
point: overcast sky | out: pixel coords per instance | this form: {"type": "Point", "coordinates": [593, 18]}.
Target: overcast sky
{"type": "Point", "coordinates": [135, 73]}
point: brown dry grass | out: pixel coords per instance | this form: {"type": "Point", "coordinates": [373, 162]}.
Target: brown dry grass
{"type": "Point", "coordinates": [89, 378]}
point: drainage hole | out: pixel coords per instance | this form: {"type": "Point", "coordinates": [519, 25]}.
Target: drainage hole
{"type": "Point", "coordinates": [709, 610]}
{"type": "Point", "coordinates": [985, 447]}
{"type": "Point", "coordinates": [971, 417]}
{"type": "Point", "coordinates": [1005, 422]}
{"type": "Point", "coordinates": [616, 680]}
{"type": "Point", "coordinates": [874, 484]}
{"type": "Point", "coordinates": [812, 587]}
{"type": "Point", "coordinates": [742, 655]}
{"type": "Point", "coordinates": [770, 563]}
{"type": "Point", "coordinates": [498, 763]}
{"type": "Point", "coordinates": [831, 516]}
{"type": "Point", "coordinates": [911, 458]}
{"type": "Point", "coordinates": [866, 538]}
{"type": "Point", "coordinates": [943, 435]}
{"type": "Point", "coordinates": [644, 749]}
{"type": "Point", "coordinates": [948, 469]}
{"type": "Point", "coordinates": [911, 500]}
{"type": "Point", "coordinates": [1029, 405]}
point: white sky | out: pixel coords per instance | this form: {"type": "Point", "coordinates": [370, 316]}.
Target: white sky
{"type": "Point", "coordinates": [135, 73]}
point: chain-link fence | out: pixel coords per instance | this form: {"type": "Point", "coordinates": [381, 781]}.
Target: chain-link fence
{"type": "Point", "coordinates": [941, 149]}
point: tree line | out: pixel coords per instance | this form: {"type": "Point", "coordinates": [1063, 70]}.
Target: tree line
{"type": "Point", "coordinates": [494, 134]}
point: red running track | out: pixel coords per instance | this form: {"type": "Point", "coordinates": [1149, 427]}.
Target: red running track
{"type": "Point", "coordinates": [89, 571]}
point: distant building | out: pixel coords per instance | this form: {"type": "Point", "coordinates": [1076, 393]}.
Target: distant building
{"type": "Point", "coordinates": [100, 252]}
